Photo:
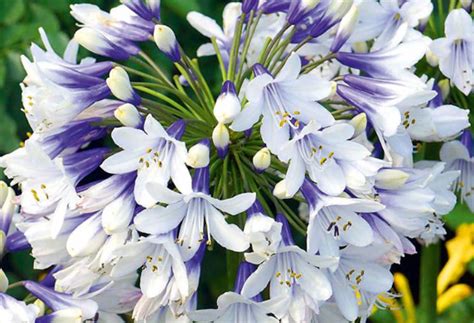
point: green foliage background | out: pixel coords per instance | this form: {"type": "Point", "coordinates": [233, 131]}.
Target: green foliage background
{"type": "Point", "coordinates": [19, 23]}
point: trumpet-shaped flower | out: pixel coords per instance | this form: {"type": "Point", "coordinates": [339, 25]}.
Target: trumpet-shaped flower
{"type": "Point", "coordinates": [193, 208]}
{"type": "Point", "coordinates": [285, 101]}
{"type": "Point", "coordinates": [156, 154]}
{"type": "Point", "coordinates": [319, 152]}
{"type": "Point", "coordinates": [456, 50]}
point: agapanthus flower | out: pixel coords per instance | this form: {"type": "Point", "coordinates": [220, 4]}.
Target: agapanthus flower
{"type": "Point", "coordinates": [456, 50]}
{"type": "Point", "coordinates": [130, 177]}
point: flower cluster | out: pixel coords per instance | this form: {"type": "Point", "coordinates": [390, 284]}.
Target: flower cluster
{"type": "Point", "coordinates": [320, 106]}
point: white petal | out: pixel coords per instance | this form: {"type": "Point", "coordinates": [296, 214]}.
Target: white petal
{"type": "Point", "coordinates": [453, 150]}
{"type": "Point", "coordinates": [227, 235]}
{"type": "Point", "coordinates": [259, 279]}
{"type": "Point", "coordinates": [291, 70]}
{"type": "Point", "coordinates": [154, 128]}
{"type": "Point", "coordinates": [163, 194]}
{"type": "Point", "coordinates": [234, 205]}
{"type": "Point", "coordinates": [122, 162]}
{"type": "Point", "coordinates": [295, 175]}
{"type": "Point", "coordinates": [247, 117]}
{"type": "Point", "coordinates": [345, 299]}
{"type": "Point", "coordinates": [458, 25]}
{"type": "Point", "coordinates": [205, 25]}
{"type": "Point", "coordinates": [158, 220]}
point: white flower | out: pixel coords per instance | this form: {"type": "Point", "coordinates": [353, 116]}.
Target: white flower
{"type": "Point", "coordinates": [155, 154]}
{"type": "Point", "coordinates": [456, 50]}
{"type": "Point", "coordinates": [193, 209]}
{"type": "Point", "coordinates": [284, 101]}
{"type": "Point", "coordinates": [233, 307]}
{"type": "Point", "coordinates": [459, 157]}
{"type": "Point", "coordinates": [319, 152]}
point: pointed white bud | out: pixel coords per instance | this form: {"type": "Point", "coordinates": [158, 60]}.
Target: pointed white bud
{"type": "Point", "coordinates": [68, 315]}
{"type": "Point", "coordinates": [3, 281]}
{"type": "Point", "coordinates": [119, 83]}
{"type": "Point", "coordinates": [345, 29]}
{"type": "Point", "coordinates": [431, 58]}
{"type": "Point", "coordinates": [40, 306]}
{"type": "Point", "coordinates": [445, 88]}
{"type": "Point", "coordinates": [221, 139]}
{"type": "Point", "coordinates": [360, 47]}
{"type": "Point", "coordinates": [359, 122]}
{"type": "Point", "coordinates": [391, 178]}
{"type": "Point", "coordinates": [198, 155]}
{"type": "Point", "coordinates": [227, 104]}
{"type": "Point", "coordinates": [262, 159]}
{"type": "Point", "coordinates": [3, 241]}
{"type": "Point", "coordinates": [128, 115]}
{"type": "Point", "coordinates": [280, 190]}
{"type": "Point", "coordinates": [166, 41]}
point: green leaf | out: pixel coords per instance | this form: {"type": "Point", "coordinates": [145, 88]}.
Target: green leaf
{"type": "Point", "coordinates": [3, 71]}
{"type": "Point", "coordinates": [461, 214]}
{"type": "Point", "coordinates": [15, 34]}
{"type": "Point", "coordinates": [8, 134]}
{"type": "Point", "coordinates": [16, 73]}
{"type": "Point", "coordinates": [182, 8]}
{"type": "Point", "coordinates": [11, 11]}
{"type": "Point", "coordinates": [44, 18]}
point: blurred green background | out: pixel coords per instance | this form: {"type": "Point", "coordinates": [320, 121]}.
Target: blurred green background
{"type": "Point", "coordinates": [19, 23]}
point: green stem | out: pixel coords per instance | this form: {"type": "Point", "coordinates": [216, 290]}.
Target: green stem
{"type": "Point", "coordinates": [156, 68]}
{"type": "Point", "coordinates": [430, 261]}
{"type": "Point", "coordinates": [234, 55]}
{"type": "Point", "coordinates": [219, 58]}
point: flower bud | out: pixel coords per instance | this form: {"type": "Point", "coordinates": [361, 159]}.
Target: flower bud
{"type": "Point", "coordinates": [359, 122]}
{"type": "Point", "coordinates": [165, 39]}
{"type": "Point", "coordinates": [391, 178]}
{"type": "Point", "coordinates": [345, 29]}
{"type": "Point", "coordinates": [262, 160]}
{"type": "Point", "coordinates": [431, 58]}
{"type": "Point", "coordinates": [198, 155]}
{"type": "Point", "coordinates": [280, 191]}
{"type": "Point", "coordinates": [467, 5]}
{"type": "Point", "coordinates": [221, 139]}
{"type": "Point", "coordinates": [41, 307]}
{"type": "Point", "coordinates": [97, 43]}
{"type": "Point", "coordinates": [7, 207]}
{"type": "Point", "coordinates": [298, 9]}
{"type": "Point", "coordinates": [228, 104]}
{"type": "Point", "coordinates": [3, 281]}
{"type": "Point", "coordinates": [119, 83]}
{"type": "Point", "coordinates": [249, 5]}
{"type": "Point", "coordinates": [445, 88]}
{"type": "Point", "coordinates": [360, 47]}
{"type": "Point", "coordinates": [128, 115]}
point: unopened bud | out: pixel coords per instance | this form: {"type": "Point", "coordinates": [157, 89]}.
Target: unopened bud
{"type": "Point", "coordinates": [360, 47]}
{"type": "Point", "coordinates": [119, 83]}
{"type": "Point", "coordinates": [3, 281]}
{"type": "Point", "coordinates": [391, 178]}
{"type": "Point", "coordinates": [445, 88]}
{"type": "Point", "coordinates": [431, 58]}
{"type": "Point", "coordinates": [198, 155]}
{"type": "Point", "coordinates": [262, 160]}
{"type": "Point", "coordinates": [299, 8]}
{"type": "Point", "coordinates": [345, 29]}
{"type": "Point", "coordinates": [467, 5]}
{"type": "Point", "coordinates": [221, 139]}
{"type": "Point", "coordinates": [166, 41]}
{"type": "Point", "coordinates": [41, 307]}
{"type": "Point", "coordinates": [359, 122]}
{"type": "Point", "coordinates": [280, 191]}
{"type": "Point", "coordinates": [128, 115]}
{"type": "Point", "coordinates": [228, 104]}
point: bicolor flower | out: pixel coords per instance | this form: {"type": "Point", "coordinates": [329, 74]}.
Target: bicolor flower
{"type": "Point", "coordinates": [318, 152]}
{"type": "Point", "coordinates": [155, 153]}
{"type": "Point", "coordinates": [234, 307]}
{"type": "Point", "coordinates": [193, 208]}
{"type": "Point", "coordinates": [147, 9]}
{"type": "Point", "coordinates": [285, 101]}
{"type": "Point", "coordinates": [390, 21]}
{"type": "Point", "coordinates": [358, 272]}
{"type": "Point", "coordinates": [292, 273]}
{"type": "Point", "coordinates": [60, 301]}
{"type": "Point", "coordinates": [336, 221]}
{"type": "Point", "coordinates": [456, 50]}
{"type": "Point", "coordinates": [48, 185]}
{"type": "Point", "coordinates": [56, 90]}
{"type": "Point", "coordinates": [458, 156]}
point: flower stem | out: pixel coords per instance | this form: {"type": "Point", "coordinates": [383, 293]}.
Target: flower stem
{"type": "Point", "coordinates": [430, 260]}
